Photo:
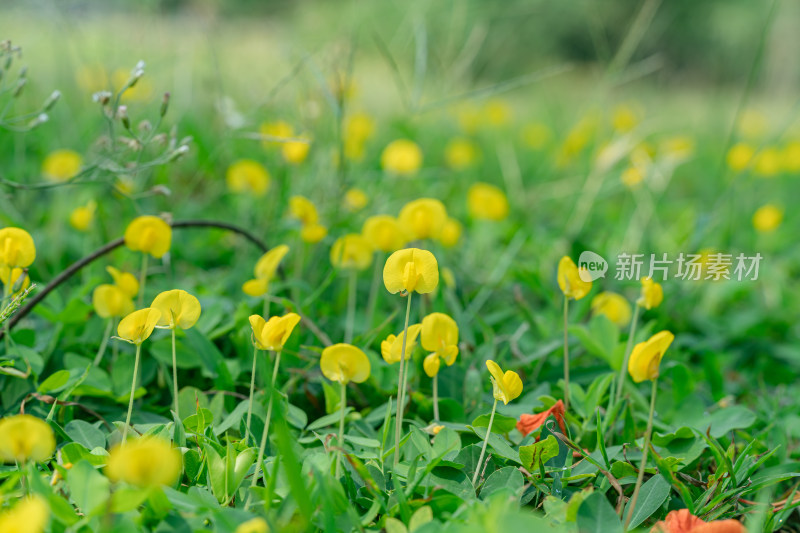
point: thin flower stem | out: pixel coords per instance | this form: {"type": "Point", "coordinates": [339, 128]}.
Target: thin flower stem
{"type": "Point", "coordinates": [351, 306]}
{"type": "Point", "coordinates": [104, 343]}
{"type": "Point", "coordinates": [265, 432]}
{"type": "Point", "coordinates": [373, 290]}
{"type": "Point", "coordinates": [401, 387]}
{"type": "Point", "coordinates": [133, 390]}
{"type": "Point", "coordinates": [6, 325]}
{"type": "Point", "coordinates": [265, 308]}
{"type": "Point", "coordinates": [175, 374]}
{"type": "Point", "coordinates": [341, 428]}
{"type": "Point", "coordinates": [624, 369]}
{"type": "Point", "coordinates": [640, 477]}
{"type": "Point", "coordinates": [566, 355]}
{"type": "Point", "coordinates": [485, 442]}
{"type": "Point", "coordinates": [436, 397]}
{"type": "Point", "coordinates": [252, 392]}
{"type": "Point", "coordinates": [142, 280]}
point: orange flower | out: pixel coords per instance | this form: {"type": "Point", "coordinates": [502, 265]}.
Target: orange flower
{"type": "Point", "coordinates": [528, 423]}
{"type": "Point", "coordinates": [684, 522]}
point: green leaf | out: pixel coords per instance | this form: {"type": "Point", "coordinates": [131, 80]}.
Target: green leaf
{"type": "Point", "coordinates": [498, 444]}
{"type": "Point", "coordinates": [595, 515]}
{"type": "Point", "coordinates": [85, 434]}
{"type": "Point", "coordinates": [88, 488]}
{"type": "Point", "coordinates": [726, 420]}
{"type": "Point", "coordinates": [421, 516]}
{"type": "Point", "coordinates": [393, 525]}
{"type": "Point", "coordinates": [543, 451]}
{"type": "Point", "coordinates": [507, 478]}
{"type": "Point", "coordinates": [74, 452]}
{"type": "Point", "coordinates": [652, 495]}
{"type": "Point", "coordinates": [54, 382]}
{"type": "Point", "coordinates": [500, 424]}
{"type": "Point", "coordinates": [198, 422]}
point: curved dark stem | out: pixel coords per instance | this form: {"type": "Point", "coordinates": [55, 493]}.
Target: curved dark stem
{"type": "Point", "coordinates": [106, 248]}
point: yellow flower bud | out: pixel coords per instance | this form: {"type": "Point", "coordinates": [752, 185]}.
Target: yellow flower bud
{"type": "Point", "coordinates": [272, 334]}
{"type": "Point", "coordinates": [506, 386]}
{"type": "Point", "coordinates": [646, 356]}
{"type": "Point", "coordinates": [393, 345]}
{"type": "Point", "coordinates": [652, 294]}
{"type": "Point", "coordinates": [570, 280]}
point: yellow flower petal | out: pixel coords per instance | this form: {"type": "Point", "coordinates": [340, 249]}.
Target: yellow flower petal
{"type": "Point", "coordinates": [614, 306]}
{"type": "Point", "coordinates": [411, 269]}
{"type": "Point", "coordinates": [652, 294]}
{"type": "Point", "coordinates": [111, 301]}
{"type": "Point", "coordinates": [25, 437]}
{"type": "Point", "coordinates": [148, 234]}
{"type": "Point", "coordinates": [384, 233]}
{"type": "Point", "coordinates": [272, 334]}
{"type": "Point", "coordinates": [145, 462]}
{"type": "Point", "coordinates": [351, 251]}
{"type": "Point", "coordinates": [423, 218]}
{"type": "Point", "coordinates": [440, 335]}
{"type": "Point", "coordinates": [646, 356]}
{"type": "Point", "coordinates": [255, 287]}
{"type": "Point", "coordinates": [431, 365]}
{"type": "Point", "coordinates": [268, 264]}
{"type": "Point", "coordinates": [16, 247]}
{"type": "Point", "coordinates": [178, 308]}
{"type": "Point", "coordinates": [487, 202]}
{"type": "Point", "coordinates": [139, 325]}
{"type": "Point", "coordinates": [402, 157]}
{"type": "Point", "coordinates": [248, 176]}
{"type": "Point", "coordinates": [344, 363]}
{"type": "Point", "coordinates": [126, 281]}
{"type": "Point", "coordinates": [570, 281]}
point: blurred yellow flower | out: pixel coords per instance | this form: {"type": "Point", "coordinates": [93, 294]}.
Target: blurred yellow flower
{"type": "Point", "coordinates": [82, 216]}
{"type": "Point", "coordinates": [652, 294]}
{"type": "Point", "coordinates": [272, 334]}
{"type": "Point", "coordinates": [265, 270]}
{"type": "Point", "coordinates": [402, 157]}
{"type": "Point", "coordinates": [497, 112]}
{"type": "Point", "coordinates": [767, 218]}
{"type": "Point", "coordinates": [392, 347]}
{"type": "Point", "coordinates": [449, 278]}
{"type": "Point", "coordinates": [624, 118]}
{"type": "Point", "coordinates": [752, 124]}
{"type": "Point", "coordinates": [140, 92]}
{"type": "Point", "coordinates": [61, 165]}
{"type": "Point", "coordinates": [439, 336]}
{"type": "Point", "coordinates": [791, 157]}
{"type": "Point", "coordinates": [768, 162]}
{"type": "Point", "coordinates": [313, 233]}
{"type": "Point", "coordinates": [384, 233]}
{"type": "Point", "coordinates": [536, 135]}
{"type": "Point", "coordinates": [30, 515]}
{"type": "Point", "coordinates": [16, 247]}
{"type": "Point", "coordinates": [148, 234]}
{"type": "Point", "coordinates": [138, 326]}
{"type": "Point", "coordinates": [275, 133]}
{"type": "Point", "coordinates": [249, 177]}
{"type": "Point", "coordinates": [633, 175]}
{"type": "Point", "coordinates": [344, 363]}
{"type": "Point", "coordinates": [303, 209]}
{"type": "Point", "coordinates": [613, 306]}
{"type": "Point", "coordinates": [146, 462]}
{"type": "Point", "coordinates": [423, 218]}
{"type": "Point", "coordinates": [677, 148]}
{"type": "Point", "coordinates": [16, 279]}
{"type": "Point", "coordinates": [295, 152]}
{"type": "Point", "coordinates": [25, 437]}
{"type": "Point", "coordinates": [254, 525]}
{"type": "Point", "coordinates": [358, 127]}
{"type": "Point", "coordinates": [646, 356]}
{"type": "Point", "coordinates": [111, 301]}
{"type": "Point", "coordinates": [126, 281]}
{"type": "Point", "coordinates": [506, 386]}
{"type": "Point", "coordinates": [487, 202]}
{"type": "Point", "coordinates": [570, 280]}
{"type": "Point", "coordinates": [739, 156]}
{"type": "Point", "coordinates": [461, 153]}
{"type": "Point", "coordinates": [411, 270]}
{"type": "Point", "coordinates": [351, 251]}
{"type": "Point", "coordinates": [355, 200]}
{"type": "Point", "coordinates": [451, 233]}
{"type": "Point", "coordinates": [178, 309]}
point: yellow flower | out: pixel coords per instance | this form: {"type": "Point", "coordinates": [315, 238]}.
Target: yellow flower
{"type": "Point", "coordinates": [678, 147]}
{"type": "Point", "coordinates": [142, 91]}
{"type": "Point", "coordinates": [409, 270]}
{"type": "Point", "coordinates": [767, 162]}
{"type": "Point", "coordinates": [355, 200]}
{"type": "Point", "coordinates": [739, 156]}
{"type": "Point", "coordinates": [402, 157]}
{"type": "Point", "coordinates": [254, 525]}
{"type": "Point", "coordinates": [423, 218]}
{"type": "Point", "coordinates": [354, 150]}
{"type": "Point", "coordinates": [313, 233]}
{"type": "Point", "coordinates": [351, 251]}
{"type": "Point", "coordinates": [248, 176]}
{"type": "Point", "coordinates": [16, 247]}
{"type": "Point", "coordinates": [536, 135]}
{"type": "Point", "coordinates": [440, 336]}
{"type": "Point", "coordinates": [111, 301]}
{"type": "Point", "coordinates": [767, 218]}
{"type": "Point", "coordinates": [178, 309]}
{"type": "Point", "coordinates": [265, 270]}
{"type": "Point", "coordinates": [393, 345]}
{"type": "Point", "coordinates": [16, 279]}
{"type": "Point", "coordinates": [461, 153]}
{"type": "Point", "coordinates": [82, 216]}
{"type": "Point", "coordinates": [497, 112]}
{"type": "Point", "coordinates": [652, 293]}
{"type": "Point", "coordinates": [61, 165]}
{"type": "Point", "coordinates": [28, 516]}
{"type": "Point", "coordinates": [148, 234]}
{"type": "Point", "coordinates": [451, 233]}
{"type": "Point", "coordinates": [344, 363]}
{"type": "Point", "coordinates": [358, 127]}
{"type": "Point", "coordinates": [570, 280]}
{"type": "Point", "coordinates": [506, 386]}
{"type": "Point", "coordinates": [126, 281]}
{"type": "Point", "coordinates": [487, 202]}
{"type": "Point", "coordinates": [633, 175]}
{"type": "Point", "coordinates": [646, 356]}
{"type": "Point", "coordinates": [302, 209]}
{"type": "Point", "coordinates": [272, 334]}
{"type": "Point", "coordinates": [25, 437]}
{"type": "Point", "coordinates": [295, 152]}
{"type": "Point", "coordinates": [791, 157]}
{"type": "Point", "coordinates": [615, 307]}
{"type": "Point", "coordinates": [624, 119]}
{"type": "Point", "coordinates": [146, 462]}
{"type": "Point", "coordinates": [255, 287]}
{"type": "Point", "coordinates": [275, 132]}
{"type": "Point", "coordinates": [137, 326]}
{"type": "Point", "coordinates": [384, 233]}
